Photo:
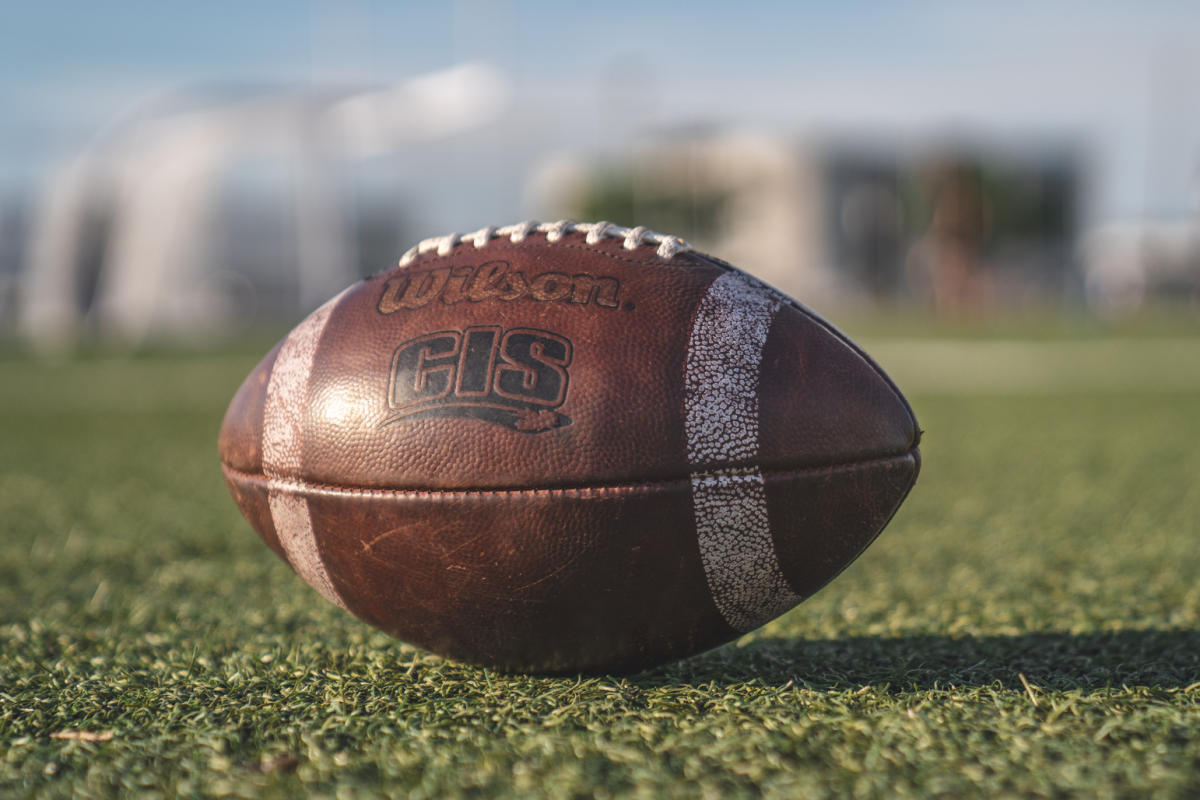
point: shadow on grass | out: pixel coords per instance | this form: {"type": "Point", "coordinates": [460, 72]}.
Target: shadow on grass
{"type": "Point", "coordinates": [1161, 659]}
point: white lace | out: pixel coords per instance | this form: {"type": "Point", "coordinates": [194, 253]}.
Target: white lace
{"type": "Point", "coordinates": [668, 246]}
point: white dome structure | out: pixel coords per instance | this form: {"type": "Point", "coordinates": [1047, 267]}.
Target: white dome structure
{"type": "Point", "coordinates": [121, 244]}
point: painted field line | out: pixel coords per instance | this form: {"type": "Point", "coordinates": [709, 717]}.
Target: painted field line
{"type": "Point", "coordinates": [938, 366]}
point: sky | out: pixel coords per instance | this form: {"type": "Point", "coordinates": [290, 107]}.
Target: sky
{"type": "Point", "coordinates": [1120, 79]}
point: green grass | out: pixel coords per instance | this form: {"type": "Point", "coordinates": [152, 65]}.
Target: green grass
{"type": "Point", "coordinates": [1029, 625]}
{"type": "Point", "coordinates": [1045, 322]}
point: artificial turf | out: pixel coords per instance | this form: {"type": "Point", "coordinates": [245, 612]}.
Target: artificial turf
{"type": "Point", "coordinates": [1029, 625]}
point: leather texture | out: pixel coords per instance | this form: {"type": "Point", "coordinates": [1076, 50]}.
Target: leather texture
{"type": "Point", "coordinates": [495, 454]}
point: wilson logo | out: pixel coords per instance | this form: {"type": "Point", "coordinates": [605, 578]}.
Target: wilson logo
{"type": "Point", "coordinates": [495, 281]}
{"type": "Point", "coordinates": [515, 378]}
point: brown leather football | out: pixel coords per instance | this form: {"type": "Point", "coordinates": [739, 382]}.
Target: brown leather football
{"type": "Point", "coordinates": [567, 448]}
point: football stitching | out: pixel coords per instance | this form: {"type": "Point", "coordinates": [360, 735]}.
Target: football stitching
{"type": "Point", "coordinates": [614, 256]}
{"type": "Point", "coordinates": [641, 486]}
{"type": "Point", "coordinates": [668, 246]}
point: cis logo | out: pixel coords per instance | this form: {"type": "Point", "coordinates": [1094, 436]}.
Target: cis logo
{"type": "Point", "coordinates": [515, 378]}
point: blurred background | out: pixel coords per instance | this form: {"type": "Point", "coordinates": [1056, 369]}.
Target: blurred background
{"type": "Point", "coordinates": [997, 198]}
{"type": "Point", "coordinates": [191, 172]}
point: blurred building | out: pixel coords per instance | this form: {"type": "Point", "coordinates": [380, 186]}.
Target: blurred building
{"type": "Point", "coordinates": [14, 232]}
{"type": "Point", "coordinates": [209, 213]}
{"type": "Point", "coordinates": [212, 211]}
{"type": "Point", "coordinates": [1129, 264]}
{"type": "Point", "coordinates": [977, 226]}
{"type": "Point", "coordinates": [755, 200]}
{"type": "Point", "coordinates": [960, 227]}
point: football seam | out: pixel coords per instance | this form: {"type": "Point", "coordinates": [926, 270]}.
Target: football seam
{"type": "Point", "coordinates": [581, 491]}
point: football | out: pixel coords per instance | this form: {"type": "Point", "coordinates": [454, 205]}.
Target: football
{"type": "Point", "coordinates": [567, 448]}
